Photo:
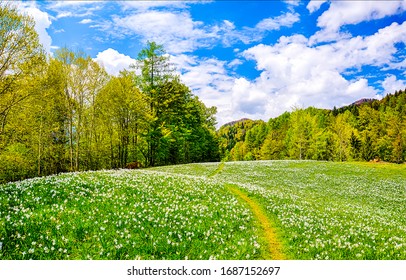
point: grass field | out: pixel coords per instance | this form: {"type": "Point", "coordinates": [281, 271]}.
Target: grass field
{"type": "Point", "coordinates": [310, 210]}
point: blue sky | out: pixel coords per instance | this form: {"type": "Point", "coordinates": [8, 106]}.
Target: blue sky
{"type": "Point", "coordinates": [254, 59]}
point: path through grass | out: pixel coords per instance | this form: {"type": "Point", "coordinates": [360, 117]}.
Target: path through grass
{"type": "Point", "coordinates": [268, 233]}
{"type": "Point", "coordinates": [269, 237]}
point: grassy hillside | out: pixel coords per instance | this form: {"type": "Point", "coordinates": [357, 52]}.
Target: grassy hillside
{"type": "Point", "coordinates": [317, 210]}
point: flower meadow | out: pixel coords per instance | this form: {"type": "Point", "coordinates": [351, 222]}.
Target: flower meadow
{"type": "Point", "coordinates": [124, 214]}
{"type": "Point", "coordinates": [320, 210]}
{"type": "Point", "coordinates": [326, 210]}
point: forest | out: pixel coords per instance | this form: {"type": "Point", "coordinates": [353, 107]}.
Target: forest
{"type": "Point", "coordinates": [64, 113]}
{"type": "Point", "coordinates": [368, 130]}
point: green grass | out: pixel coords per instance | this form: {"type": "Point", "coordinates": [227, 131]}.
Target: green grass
{"type": "Point", "coordinates": [123, 215]}
{"type": "Point", "coordinates": [326, 210]}
{"type": "Point", "coordinates": [320, 210]}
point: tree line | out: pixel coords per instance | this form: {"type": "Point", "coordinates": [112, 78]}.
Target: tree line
{"type": "Point", "coordinates": [364, 131]}
{"type": "Point", "coordinates": [64, 113]}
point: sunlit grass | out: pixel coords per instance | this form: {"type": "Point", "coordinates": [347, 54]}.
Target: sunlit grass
{"type": "Point", "coordinates": [320, 210]}
{"type": "Point", "coordinates": [329, 210]}
{"type": "Point", "coordinates": [123, 215]}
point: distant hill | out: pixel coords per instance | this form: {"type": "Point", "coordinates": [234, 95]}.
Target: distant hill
{"type": "Point", "coordinates": [364, 100]}
{"type": "Point", "coordinates": [237, 121]}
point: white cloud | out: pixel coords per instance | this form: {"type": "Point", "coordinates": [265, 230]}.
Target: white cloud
{"type": "Point", "coordinates": [65, 9]}
{"type": "Point", "coordinates": [86, 21]}
{"type": "Point", "coordinates": [234, 63]}
{"type": "Point", "coordinates": [326, 36]}
{"type": "Point", "coordinates": [207, 77]}
{"type": "Point", "coordinates": [42, 22]}
{"type": "Point", "coordinates": [292, 2]}
{"type": "Point", "coordinates": [248, 99]}
{"type": "Point", "coordinates": [175, 30]}
{"type": "Point", "coordinates": [342, 13]}
{"type": "Point", "coordinates": [392, 84]}
{"type": "Point", "coordinates": [378, 49]}
{"type": "Point", "coordinates": [285, 20]}
{"type": "Point", "coordinates": [359, 89]}
{"type": "Point", "coordinates": [64, 15]}
{"type": "Point", "coordinates": [315, 5]}
{"type": "Point", "coordinates": [210, 79]}
{"type": "Point", "coordinates": [113, 61]}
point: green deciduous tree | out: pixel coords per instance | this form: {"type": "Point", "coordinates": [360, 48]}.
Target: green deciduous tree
{"type": "Point", "coordinates": [299, 134]}
{"type": "Point", "coordinates": [342, 131]}
{"type": "Point", "coordinates": [21, 57]}
{"type": "Point", "coordinates": [124, 115]}
{"type": "Point", "coordinates": [82, 79]}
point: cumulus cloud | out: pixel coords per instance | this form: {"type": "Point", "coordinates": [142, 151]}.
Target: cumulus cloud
{"type": "Point", "coordinates": [352, 12]}
{"type": "Point", "coordinates": [113, 61]}
{"type": "Point", "coordinates": [212, 81]}
{"type": "Point", "coordinates": [392, 84]}
{"type": "Point", "coordinates": [252, 104]}
{"type": "Point", "coordinates": [296, 73]}
{"type": "Point", "coordinates": [292, 2]}
{"type": "Point", "coordinates": [315, 5]}
{"type": "Point", "coordinates": [378, 49]}
{"type": "Point", "coordinates": [42, 22]}
{"type": "Point", "coordinates": [341, 13]}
